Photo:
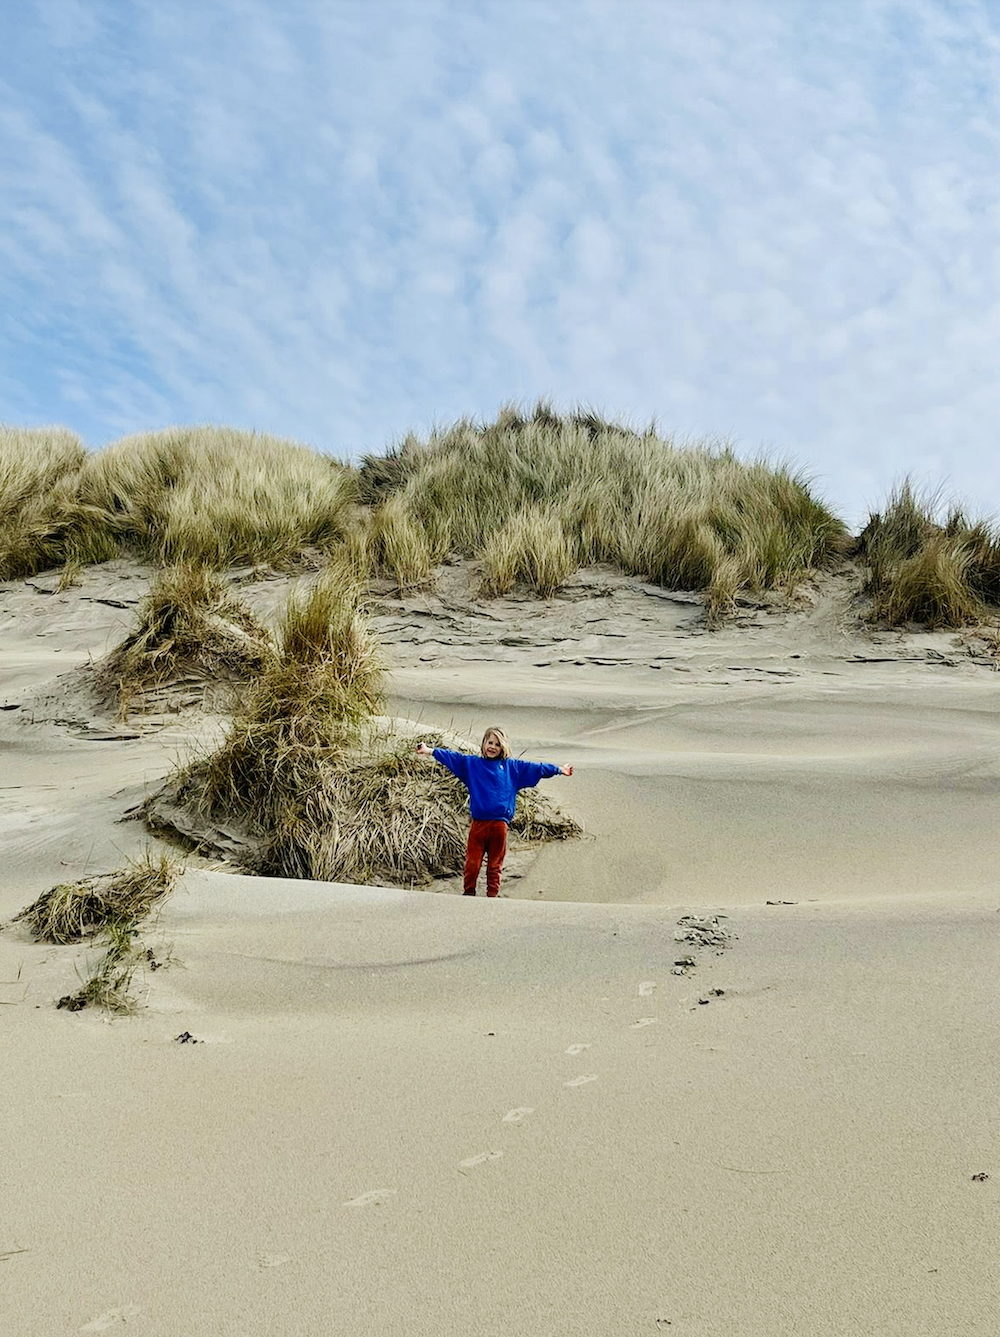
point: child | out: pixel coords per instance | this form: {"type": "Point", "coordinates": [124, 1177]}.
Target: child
{"type": "Point", "coordinates": [493, 780]}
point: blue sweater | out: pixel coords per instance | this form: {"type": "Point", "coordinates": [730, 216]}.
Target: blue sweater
{"type": "Point", "coordinates": [493, 783]}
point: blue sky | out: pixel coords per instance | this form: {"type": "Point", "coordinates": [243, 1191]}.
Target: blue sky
{"type": "Point", "coordinates": [339, 220]}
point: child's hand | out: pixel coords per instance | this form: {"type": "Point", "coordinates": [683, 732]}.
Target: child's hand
{"type": "Point", "coordinates": [566, 770]}
{"type": "Point", "coordinates": [424, 750]}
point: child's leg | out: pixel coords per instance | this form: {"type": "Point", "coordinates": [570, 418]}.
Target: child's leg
{"type": "Point", "coordinates": [474, 857]}
{"type": "Point", "coordinates": [496, 851]}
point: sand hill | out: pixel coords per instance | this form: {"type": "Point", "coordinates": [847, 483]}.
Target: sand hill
{"type": "Point", "coordinates": [722, 1066]}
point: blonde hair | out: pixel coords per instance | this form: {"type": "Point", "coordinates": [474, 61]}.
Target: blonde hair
{"type": "Point", "coordinates": [501, 738]}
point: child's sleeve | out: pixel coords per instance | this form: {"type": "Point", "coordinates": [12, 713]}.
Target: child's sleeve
{"type": "Point", "coordinates": [456, 762]}
{"type": "Point", "coordinates": [528, 773]}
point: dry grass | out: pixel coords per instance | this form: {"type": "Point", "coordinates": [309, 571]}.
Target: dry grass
{"type": "Point", "coordinates": [305, 707]}
{"type": "Point", "coordinates": [941, 572]}
{"type": "Point", "coordinates": [682, 516]}
{"type": "Point", "coordinates": [73, 911]}
{"type": "Point", "coordinates": [209, 495]}
{"type": "Point", "coordinates": [364, 808]}
{"type": "Point", "coordinates": [189, 625]}
{"type": "Point", "coordinates": [329, 655]}
{"type": "Point", "coordinates": [109, 985]}
{"type": "Point", "coordinates": [110, 907]}
{"type": "Point", "coordinates": [309, 782]}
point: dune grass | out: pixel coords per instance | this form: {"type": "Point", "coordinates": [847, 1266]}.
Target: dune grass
{"type": "Point", "coordinates": [534, 495]}
{"type": "Point", "coordinates": [36, 465]}
{"type": "Point", "coordinates": [537, 495]}
{"type": "Point", "coordinates": [941, 570]}
{"type": "Point", "coordinates": [298, 714]}
{"type": "Point", "coordinates": [531, 548]}
{"type": "Point", "coordinates": [109, 907]}
{"type": "Point", "coordinates": [361, 808]}
{"type": "Point", "coordinates": [311, 780]}
{"type": "Point", "coordinates": [398, 546]}
{"type": "Point", "coordinates": [189, 624]}
{"type": "Point", "coordinates": [73, 911]}
{"type": "Point", "coordinates": [208, 495]}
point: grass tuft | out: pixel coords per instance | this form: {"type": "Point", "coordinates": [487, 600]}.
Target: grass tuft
{"type": "Point", "coordinates": [531, 548]}
{"type": "Point", "coordinates": [74, 911]}
{"type": "Point", "coordinates": [933, 587]}
{"type": "Point", "coordinates": [399, 546]}
{"type": "Point", "coordinates": [114, 915]}
{"type": "Point", "coordinates": [922, 568]}
{"type": "Point", "coordinates": [303, 709]}
{"type": "Point", "coordinates": [189, 624]}
{"type": "Point", "coordinates": [109, 907]}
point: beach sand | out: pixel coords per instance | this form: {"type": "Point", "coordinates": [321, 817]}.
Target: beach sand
{"type": "Point", "coordinates": [408, 1112]}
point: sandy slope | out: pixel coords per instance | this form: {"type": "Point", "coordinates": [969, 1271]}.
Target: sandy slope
{"type": "Point", "coordinates": [793, 1157]}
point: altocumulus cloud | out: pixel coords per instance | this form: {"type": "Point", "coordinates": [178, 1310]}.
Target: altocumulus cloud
{"type": "Point", "coordinates": [337, 221]}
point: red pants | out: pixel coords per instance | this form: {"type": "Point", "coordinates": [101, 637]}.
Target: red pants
{"type": "Point", "coordinates": [489, 838]}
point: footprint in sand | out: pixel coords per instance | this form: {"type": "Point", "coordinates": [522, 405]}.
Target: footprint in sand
{"type": "Point", "coordinates": [372, 1197]}
{"type": "Point", "coordinates": [273, 1259]}
{"type": "Point", "coordinates": [519, 1114]}
{"type": "Point", "coordinates": [646, 988]}
{"type": "Point", "coordinates": [582, 1080]}
{"type": "Point", "coordinates": [643, 1021]}
{"type": "Point", "coordinates": [483, 1156]}
{"type": "Point", "coordinates": [111, 1317]}
{"type": "Point", "coordinates": [577, 1049]}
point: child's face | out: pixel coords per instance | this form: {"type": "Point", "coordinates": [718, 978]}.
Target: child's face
{"type": "Point", "coordinates": [491, 747]}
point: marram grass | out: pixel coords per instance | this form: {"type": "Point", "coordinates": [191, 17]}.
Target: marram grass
{"type": "Point", "coordinates": [533, 495]}
{"type": "Point", "coordinates": [108, 907]}
{"type": "Point", "coordinates": [73, 911]}
{"type": "Point", "coordinates": [188, 625]}
{"type": "Point", "coordinates": [941, 572]}
{"type": "Point", "coordinates": [313, 782]}
{"type": "Point", "coordinates": [209, 495]}
{"type": "Point", "coordinates": [536, 496]}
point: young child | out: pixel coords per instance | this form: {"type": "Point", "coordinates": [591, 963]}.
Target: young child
{"type": "Point", "coordinates": [492, 780]}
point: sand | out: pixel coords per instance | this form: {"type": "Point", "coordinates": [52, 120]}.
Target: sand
{"type": "Point", "coordinates": [408, 1112]}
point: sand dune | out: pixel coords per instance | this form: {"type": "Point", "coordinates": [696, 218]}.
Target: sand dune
{"type": "Point", "coordinates": [408, 1112]}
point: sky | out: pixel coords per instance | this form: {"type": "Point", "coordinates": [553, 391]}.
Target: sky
{"type": "Point", "coordinates": [771, 221]}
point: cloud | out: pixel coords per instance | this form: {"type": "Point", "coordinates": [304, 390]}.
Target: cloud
{"type": "Point", "coordinates": [341, 222]}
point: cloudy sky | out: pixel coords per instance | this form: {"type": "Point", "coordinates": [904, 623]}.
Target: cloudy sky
{"type": "Point", "coordinates": [338, 220]}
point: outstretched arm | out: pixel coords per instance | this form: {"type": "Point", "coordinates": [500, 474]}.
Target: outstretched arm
{"type": "Point", "coordinates": [528, 773]}
{"type": "Point", "coordinates": [456, 762]}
